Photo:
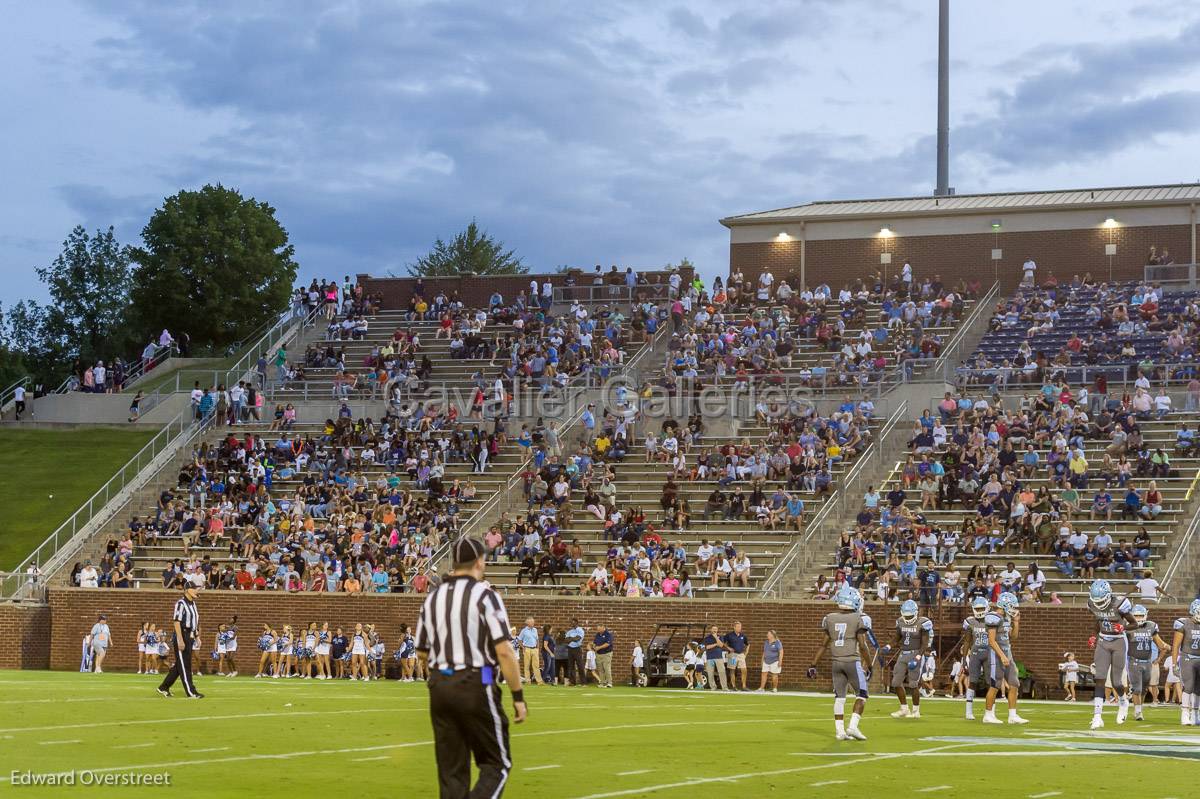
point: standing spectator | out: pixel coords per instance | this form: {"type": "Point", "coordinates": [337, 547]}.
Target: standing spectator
{"type": "Point", "coordinates": [714, 659]}
{"type": "Point", "coordinates": [735, 660]}
{"type": "Point", "coordinates": [574, 637]}
{"type": "Point", "coordinates": [603, 643]}
{"type": "Point", "coordinates": [772, 661]}
{"type": "Point", "coordinates": [1147, 587]}
{"type": "Point", "coordinates": [531, 670]}
{"type": "Point", "coordinates": [101, 638]}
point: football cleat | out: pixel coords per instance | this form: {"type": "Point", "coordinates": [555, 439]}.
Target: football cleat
{"type": "Point", "coordinates": [1097, 723]}
{"type": "Point", "coordinates": [902, 713]}
{"type": "Point", "coordinates": [856, 734]}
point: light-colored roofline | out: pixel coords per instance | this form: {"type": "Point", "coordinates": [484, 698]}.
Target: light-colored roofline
{"type": "Point", "coordinates": [970, 204]}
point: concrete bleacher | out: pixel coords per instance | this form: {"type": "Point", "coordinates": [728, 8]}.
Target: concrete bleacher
{"type": "Point", "coordinates": [639, 484]}
{"type": "Point", "coordinates": [1163, 530]}
{"type": "Point", "coordinates": [809, 354]}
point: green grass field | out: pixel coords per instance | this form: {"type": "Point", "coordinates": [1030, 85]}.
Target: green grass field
{"type": "Point", "coordinates": [306, 738]}
{"type": "Point", "coordinates": [71, 464]}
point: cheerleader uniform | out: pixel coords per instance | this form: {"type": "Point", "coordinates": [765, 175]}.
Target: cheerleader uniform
{"type": "Point", "coordinates": [285, 650]}
{"type": "Point", "coordinates": [141, 650]}
{"type": "Point", "coordinates": [231, 641]}
{"type": "Point", "coordinates": [152, 646]}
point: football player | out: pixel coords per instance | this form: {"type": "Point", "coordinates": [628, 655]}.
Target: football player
{"type": "Point", "coordinates": [976, 649]}
{"type": "Point", "coordinates": [1003, 627]}
{"type": "Point", "coordinates": [1185, 652]}
{"type": "Point", "coordinates": [1113, 614]}
{"type": "Point", "coordinates": [1143, 637]}
{"type": "Point", "coordinates": [846, 637]}
{"type": "Point", "coordinates": [914, 640]}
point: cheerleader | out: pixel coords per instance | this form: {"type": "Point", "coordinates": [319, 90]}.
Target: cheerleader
{"type": "Point", "coordinates": [407, 654]}
{"type": "Point", "coordinates": [219, 652]}
{"type": "Point", "coordinates": [310, 650]}
{"type": "Point", "coordinates": [151, 648]}
{"type": "Point", "coordinates": [375, 650]}
{"type": "Point", "coordinates": [163, 649]}
{"type": "Point", "coordinates": [340, 653]}
{"type": "Point", "coordinates": [636, 661]}
{"type": "Point", "coordinates": [143, 667]}
{"type": "Point", "coordinates": [270, 653]}
{"type": "Point", "coordinates": [323, 672]}
{"type": "Point", "coordinates": [287, 658]}
{"type": "Point", "coordinates": [358, 653]}
{"type": "Point", "coordinates": [231, 648]}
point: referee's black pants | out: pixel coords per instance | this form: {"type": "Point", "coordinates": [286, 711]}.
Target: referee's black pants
{"type": "Point", "coordinates": [575, 671]}
{"type": "Point", "coordinates": [181, 669]}
{"type": "Point", "coordinates": [468, 719]}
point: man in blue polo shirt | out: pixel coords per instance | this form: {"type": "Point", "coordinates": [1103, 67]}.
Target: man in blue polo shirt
{"type": "Point", "coordinates": [531, 666]}
{"type": "Point", "coordinates": [735, 656]}
{"type": "Point", "coordinates": [603, 644]}
{"type": "Point", "coordinates": [574, 638]}
{"type": "Point", "coordinates": [714, 659]}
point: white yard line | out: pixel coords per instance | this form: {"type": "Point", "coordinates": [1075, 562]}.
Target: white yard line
{"type": "Point", "coordinates": [827, 782]}
{"type": "Point", "coordinates": [635, 771]}
{"type": "Point", "coordinates": [933, 788]}
{"type": "Point", "coordinates": [385, 747]}
{"type": "Point", "coordinates": [175, 719]}
{"type": "Point", "coordinates": [211, 749]}
{"type": "Point", "coordinates": [541, 768]}
{"type": "Point", "coordinates": [366, 759]}
{"type": "Point", "coordinates": [1045, 795]}
{"type": "Point", "coordinates": [137, 746]}
{"type": "Point", "coordinates": [55, 743]}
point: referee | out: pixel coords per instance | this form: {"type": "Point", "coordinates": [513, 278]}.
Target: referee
{"type": "Point", "coordinates": [186, 620]}
{"type": "Point", "coordinates": [463, 634]}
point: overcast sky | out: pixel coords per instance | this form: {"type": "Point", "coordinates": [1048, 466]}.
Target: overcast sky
{"type": "Point", "coordinates": [579, 133]}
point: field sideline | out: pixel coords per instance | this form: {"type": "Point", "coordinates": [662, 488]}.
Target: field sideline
{"type": "Point", "coordinates": [306, 737]}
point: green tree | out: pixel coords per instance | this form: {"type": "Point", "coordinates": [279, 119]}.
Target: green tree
{"type": "Point", "coordinates": [89, 290]}
{"type": "Point", "coordinates": [471, 252]}
{"type": "Point", "coordinates": [25, 348]}
{"type": "Point", "coordinates": [214, 265]}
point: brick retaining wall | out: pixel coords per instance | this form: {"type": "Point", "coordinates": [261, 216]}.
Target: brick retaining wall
{"type": "Point", "coordinates": [25, 632]}
{"type": "Point", "coordinates": [1047, 631]}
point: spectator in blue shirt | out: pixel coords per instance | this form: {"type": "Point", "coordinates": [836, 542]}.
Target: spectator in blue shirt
{"type": "Point", "coordinates": [772, 661]}
{"type": "Point", "coordinates": [735, 656]}
{"type": "Point", "coordinates": [714, 659]}
{"type": "Point", "coordinates": [531, 670]}
{"type": "Point", "coordinates": [574, 638]}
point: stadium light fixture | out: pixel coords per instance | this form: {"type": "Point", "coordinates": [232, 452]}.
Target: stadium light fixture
{"type": "Point", "coordinates": [783, 236]}
{"type": "Point", "coordinates": [1110, 222]}
{"type": "Point", "coordinates": [886, 232]}
{"type": "Point", "coordinates": [996, 225]}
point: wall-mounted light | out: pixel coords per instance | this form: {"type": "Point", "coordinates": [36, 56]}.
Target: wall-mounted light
{"type": "Point", "coordinates": [783, 236]}
{"type": "Point", "coordinates": [886, 232]}
{"type": "Point", "coordinates": [996, 225]}
{"type": "Point", "coordinates": [1110, 222]}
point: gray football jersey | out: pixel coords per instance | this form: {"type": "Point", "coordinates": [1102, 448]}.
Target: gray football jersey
{"type": "Point", "coordinates": [1003, 627]}
{"type": "Point", "coordinates": [1190, 648]}
{"type": "Point", "coordinates": [1112, 615]}
{"type": "Point", "coordinates": [1141, 640]}
{"type": "Point", "coordinates": [977, 629]}
{"type": "Point", "coordinates": [843, 628]}
{"type": "Point", "coordinates": [913, 634]}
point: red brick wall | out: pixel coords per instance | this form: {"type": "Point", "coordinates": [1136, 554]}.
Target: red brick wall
{"type": "Point", "coordinates": [966, 256]}
{"type": "Point", "coordinates": [1047, 631]}
{"type": "Point", "coordinates": [25, 633]}
{"type": "Point", "coordinates": [475, 291]}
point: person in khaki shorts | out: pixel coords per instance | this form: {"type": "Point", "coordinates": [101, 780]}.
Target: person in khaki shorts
{"type": "Point", "coordinates": [602, 642]}
{"type": "Point", "coordinates": [531, 662]}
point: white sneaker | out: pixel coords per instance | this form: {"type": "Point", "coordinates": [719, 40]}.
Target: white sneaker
{"type": "Point", "coordinates": [990, 718]}
{"type": "Point", "coordinates": [970, 716]}
{"type": "Point", "coordinates": [902, 713]}
{"type": "Point", "coordinates": [841, 736]}
{"type": "Point", "coordinates": [1097, 723]}
{"type": "Point", "coordinates": [916, 713]}
{"type": "Point", "coordinates": [1122, 714]}
{"type": "Point", "coordinates": [760, 690]}
{"type": "Point", "coordinates": [856, 734]}
{"type": "Point", "coordinates": [1013, 718]}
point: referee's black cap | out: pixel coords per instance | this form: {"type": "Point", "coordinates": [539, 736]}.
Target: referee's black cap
{"type": "Point", "coordinates": [467, 550]}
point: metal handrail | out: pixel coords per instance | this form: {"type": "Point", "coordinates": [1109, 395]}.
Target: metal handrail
{"type": "Point", "coordinates": [1181, 547]}
{"type": "Point", "coordinates": [9, 392]}
{"type": "Point", "coordinates": [770, 587]}
{"type": "Point", "coordinates": [48, 555]}
{"type": "Point", "coordinates": [1117, 373]}
{"type": "Point", "coordinates": [960, 334]}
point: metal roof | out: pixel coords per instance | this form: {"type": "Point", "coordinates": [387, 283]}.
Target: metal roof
{"type": "Point", "coordinates": [974, 203]}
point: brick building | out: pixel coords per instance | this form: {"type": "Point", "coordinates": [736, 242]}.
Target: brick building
{"type": "Point", "coordinates": [983, 237]}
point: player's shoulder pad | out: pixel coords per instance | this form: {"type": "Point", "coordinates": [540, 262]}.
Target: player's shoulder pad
{"type": "Point", "coordinates": [866, 621]}
{"type": "Point", "coordinates": [1126, 606]}
{"type": "Point", "coordinates": [967, 622]}
{"type": "Point", "coordinates": [1180, 623]}
{"type": "Point", "coordinates": [992, 619]}
{"type": "Point", "coordinates": [926, 624]}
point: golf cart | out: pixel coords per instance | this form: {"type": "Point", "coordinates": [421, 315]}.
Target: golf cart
{"type": "Point", "coordinates": [664, 653]}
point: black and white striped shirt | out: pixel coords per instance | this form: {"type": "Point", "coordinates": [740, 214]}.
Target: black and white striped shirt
{"type": "Point", "coordinates": [187, 616]}
{"type": "Point", "coordinates": [460, 624]}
